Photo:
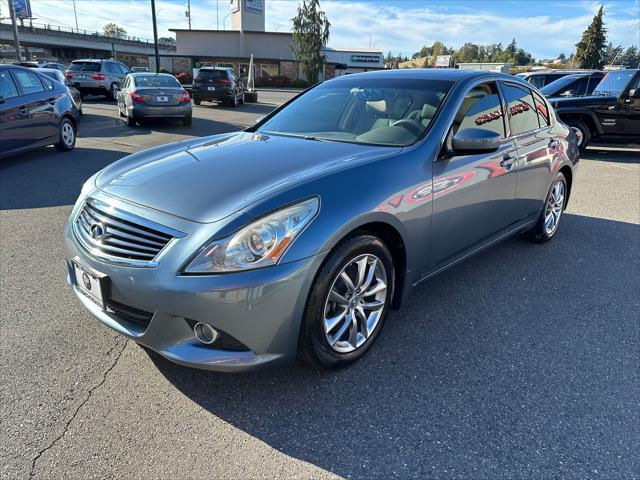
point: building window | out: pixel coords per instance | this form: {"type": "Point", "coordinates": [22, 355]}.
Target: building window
{"type": "Point", "coordinates": [269, 70]}
{"type": "Point", "coordinates": [226, 65]}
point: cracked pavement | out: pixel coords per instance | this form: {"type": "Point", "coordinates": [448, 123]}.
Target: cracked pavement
{"type": "Point", "coordinates": [520, 363]}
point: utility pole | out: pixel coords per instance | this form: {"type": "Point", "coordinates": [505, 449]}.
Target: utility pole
{"type": "Point", "coordinates": [217, 17]}
{"type": "Point", "coordinates": [16, 39]}
{"type": "Point", "coordinates": [76, 15]}
{"type": "Point", "coordinates": [155, 34]}
{"type": "Point", "coordinates": [189, 12]}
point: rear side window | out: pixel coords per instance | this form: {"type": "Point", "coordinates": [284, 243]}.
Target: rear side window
{"type": "Point", "coordinates": [48, 84]}
{"type": "Point", "coordinates": [7, 87]}
{"type": "Point", "coordinates": [213, 74]}
{"type": "Point", "coordinates": [522, 110]}
{"type": "Point", "coordinates": [85, 66]}
{"type": "Point", "coordinates": [542, 110]}
{"type": "Point", "coordinates": [481, 108]}
{"type": "Point", "coordinates": [28, 82]}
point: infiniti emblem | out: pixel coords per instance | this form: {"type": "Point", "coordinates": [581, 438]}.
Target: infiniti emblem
{"type": "Point", "coordinates": [98, 231]}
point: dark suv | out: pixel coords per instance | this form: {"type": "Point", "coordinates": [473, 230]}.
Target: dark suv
{"type": "Point", "coordinates": [216, 84]}
{"type": "Point", "coordinates": [610, 114]}
{"type": "Point", "coordinates": [97, 77]}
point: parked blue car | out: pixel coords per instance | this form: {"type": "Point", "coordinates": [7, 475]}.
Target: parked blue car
{"type": "Point", "coordinates": [295, 237]}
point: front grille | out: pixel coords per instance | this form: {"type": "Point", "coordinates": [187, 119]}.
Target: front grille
{"type": "Point", "coordinates": [129, 314]}
{"type": "Point", "coordinates": [113, 234]}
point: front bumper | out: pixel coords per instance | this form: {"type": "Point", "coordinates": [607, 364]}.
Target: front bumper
{"type": "Point", "coordinates": [261, 308]}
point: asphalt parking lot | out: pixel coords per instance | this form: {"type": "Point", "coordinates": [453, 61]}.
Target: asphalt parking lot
{"type": "Point", "coordinates": [523, 362]}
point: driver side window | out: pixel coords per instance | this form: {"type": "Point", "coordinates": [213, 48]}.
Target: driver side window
{"type": "Point", "coordinates": [480, 108]}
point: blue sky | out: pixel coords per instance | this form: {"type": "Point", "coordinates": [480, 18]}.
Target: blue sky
{"type": "Point", "coordinates": [543, 27]}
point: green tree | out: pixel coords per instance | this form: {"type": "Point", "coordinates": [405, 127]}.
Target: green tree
{"type": "Point", "coordinates": [167, 41]}
{"type": "Point", "coordinates": [113, 30]}
{"type": "Point", "coordinates": [310, 36]}
{"type": "Point", "coordinates": [591, 48]}
{"type": "Point", "coordinates": [630, 58]}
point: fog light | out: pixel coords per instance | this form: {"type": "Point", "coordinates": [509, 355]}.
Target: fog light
{"type": "Point", "coordinates": [205, 333]}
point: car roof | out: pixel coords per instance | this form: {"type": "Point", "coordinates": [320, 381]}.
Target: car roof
{"type": "Point", "coordinates": [148, 74]}
{"type": "Point", "coordinates": [450, 74]}
{"type": "Point", "coordinates": [215, 68]}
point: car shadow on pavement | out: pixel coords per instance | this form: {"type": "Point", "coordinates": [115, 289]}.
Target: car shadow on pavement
{"type": "Point", "coordinates": [46, 178]}
{"type": "Point", "coordinates": [521, 362]}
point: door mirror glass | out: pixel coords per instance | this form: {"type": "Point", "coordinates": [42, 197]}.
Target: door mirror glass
{"type": "Point", "coordinates": [475, 140]}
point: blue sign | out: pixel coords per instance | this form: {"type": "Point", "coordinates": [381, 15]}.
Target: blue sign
{"type": "Point", "coordinates": [22, 8]}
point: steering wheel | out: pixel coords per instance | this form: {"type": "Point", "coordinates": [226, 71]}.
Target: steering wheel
{"type": "Point", "coordinates": [409, 124]}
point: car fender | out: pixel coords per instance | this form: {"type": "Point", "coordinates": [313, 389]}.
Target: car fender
{"type": "Point", "coordinates": [563, 113]}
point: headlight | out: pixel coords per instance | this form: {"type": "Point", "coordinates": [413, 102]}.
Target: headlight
{"type": "Point", "coordinates": [259, 244]}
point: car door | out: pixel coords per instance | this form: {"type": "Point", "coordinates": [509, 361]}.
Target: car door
{"type": "Point", "coordinates": [15, 127]}
{"type": "Point", "coordinates": [529, 127]}
{"type": "Point", "coordinates": [472, 194]}
{"type": "Point", "coordinates": [630, 110]}
{"type": "Point", "coordinates": [39, 104]}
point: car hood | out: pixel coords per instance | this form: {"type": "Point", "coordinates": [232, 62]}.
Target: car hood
{"type": "Point", "coordinates": [207, 179]}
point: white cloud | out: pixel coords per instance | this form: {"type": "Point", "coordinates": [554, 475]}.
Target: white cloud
{"type": "Point", "coordinates": [555, 29]}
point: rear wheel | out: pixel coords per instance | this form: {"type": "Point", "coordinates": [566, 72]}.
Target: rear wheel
{"type": "Point", "coordinates": [131, 121]}
{"type": "Point", "coordinates": [186, 121]}
{"type": "Point", "coordinates": [547, 225]}
{"type": "Point", "coordinates": [197, 101]}
{"type": "Point", "coordinates": [66, 136]}
{"type": "Point", "coordinates": [348, 303]}
{"type": "Point", "coordinates": [583, 131]}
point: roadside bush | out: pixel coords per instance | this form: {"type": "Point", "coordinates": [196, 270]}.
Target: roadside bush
{"type": "Point", "coordinates": [281, 81]}
{"type": "Point", "coordinates": [299, 83]}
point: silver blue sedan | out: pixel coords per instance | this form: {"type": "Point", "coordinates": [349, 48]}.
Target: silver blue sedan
{"type": "Point", "coordinates": [296, 237]}
{"type": "Point", "coordinates": [153, 95]}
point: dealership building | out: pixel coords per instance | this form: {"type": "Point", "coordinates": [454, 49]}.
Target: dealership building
{"type": "Point", "coordinates": [272, 54]}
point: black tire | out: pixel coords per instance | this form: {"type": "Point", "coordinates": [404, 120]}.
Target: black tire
{"type": "Point", "coordinates": [584, 130]}
{"type": "Point", "coordinates": [186, 121]}
{"type": "Point", "coordinates": [539, 233]}
{"type": "Point", "coordinates": [66, 135]}
{"type": "Point", "coordinates": [131, 122]}
{"type": "Point", "coordinates": [197, 101]}
{"type": "Point", "coordinates": [113, 91]}
{"type": "Point", "coordinates": [314, 347]}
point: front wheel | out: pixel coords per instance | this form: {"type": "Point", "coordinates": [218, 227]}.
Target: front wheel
{"type": "Point", "coordinates": [349, 301]}
{"type": "Point", "coordinates": [66, 136]}
{"type": "Point", "coordinates": [584, 134]}
{"type": "Point", "coordinates": [547, 225]}
{"type": "Point", "coordinates": [113, 91]}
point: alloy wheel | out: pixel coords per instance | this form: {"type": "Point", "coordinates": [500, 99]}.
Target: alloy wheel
{"type": "Point", "coordinates": [553, 209]}
{"type": "Point", "coordinates": [355, 303]}
{"type": "Point", "coordinates": [67, 134]}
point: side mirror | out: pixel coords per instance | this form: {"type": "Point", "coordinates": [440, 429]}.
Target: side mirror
{"type": "Point", "coordinates": [1, 99]}
{"type": "Point", "coordinates": [475, 140]}
{"type": "Point", "coordinates": [634, 93]}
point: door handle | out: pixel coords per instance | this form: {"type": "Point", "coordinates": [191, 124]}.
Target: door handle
{"type": "Point", "coordinates": [507, 160]}
{"type": "Point", "coordinates": [23, 111]}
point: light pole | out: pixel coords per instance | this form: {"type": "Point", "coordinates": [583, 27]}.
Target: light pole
{"type": "Point", "coordinates": [16, 39]}
{"type": "Point", "coordinates": [155, 34]}
{"type": "Point", "coordinates": [189, 12]}
{"type": "Point", "coordinates": [75, 14]}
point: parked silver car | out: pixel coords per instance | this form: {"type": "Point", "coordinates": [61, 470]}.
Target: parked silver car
{"type": "Point", "coordinates": [299, 234]}
{"type": "Point", "coordinates": [97, 76]}
{"type": "Point", "coordinates": [153, 95]}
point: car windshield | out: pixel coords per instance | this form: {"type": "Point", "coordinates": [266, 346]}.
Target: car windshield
{"type": "Point", "coordinates": [156, 81]}
{"type": "Point", "coordinates": [556, 86]}
{"type": "Point", "coordinates": [85, 66]}
{"type": "Point", "coordinates": [614, 83]}
{"type": "Point", "coordinates": [55, 74]}
{"type": "Point", "coordinates": [212, 74]}
{"type": "Point", "coordinates": [393, 112]}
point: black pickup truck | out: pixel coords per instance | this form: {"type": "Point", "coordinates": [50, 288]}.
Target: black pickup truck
{"type": "Point", "coordinates": [610, 114]}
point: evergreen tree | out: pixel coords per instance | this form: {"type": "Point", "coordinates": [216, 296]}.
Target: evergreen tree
{"type": "Point", "coordinates": [310, 36]}
{"type": "Point", "coordinates": [631, 58]}
{"type": "Point", "coordinates": [590, 50]}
